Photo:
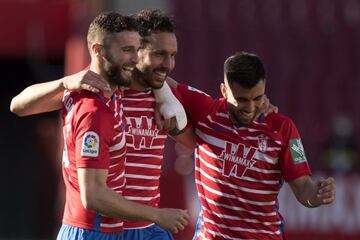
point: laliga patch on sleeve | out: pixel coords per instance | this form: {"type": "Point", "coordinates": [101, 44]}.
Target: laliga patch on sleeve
{"type": "Point", "coordinates": [297, 151]}
{"type": "Point", "coordinates": [90, 144]}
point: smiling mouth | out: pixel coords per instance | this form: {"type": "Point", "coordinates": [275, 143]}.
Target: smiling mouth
{"type": "Point", "coordinates": [127, 68]}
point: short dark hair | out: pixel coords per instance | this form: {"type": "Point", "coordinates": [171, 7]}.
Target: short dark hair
{"type": "Point", "coordinates": [245, 69]}
{"type": "Point", "coordinates": [107, 24]}
{"type": "Point", "coordinates": [153, 21]}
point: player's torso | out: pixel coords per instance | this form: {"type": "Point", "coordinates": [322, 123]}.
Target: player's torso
{"type": "Point", "coordinates": [238, 178]}
{"type": "Point", "coordinates": [145, 149]}
{"type": "Point", "coordinates": [74, 211]}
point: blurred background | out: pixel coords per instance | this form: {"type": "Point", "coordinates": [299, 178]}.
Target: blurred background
{"type": "Point", "coordinates": [311, 52]}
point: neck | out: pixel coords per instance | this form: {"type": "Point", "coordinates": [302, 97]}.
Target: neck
{"type": "Point", "coordinates": [95, 67]}
{"type": "Point", "coordinates": [138, 82]}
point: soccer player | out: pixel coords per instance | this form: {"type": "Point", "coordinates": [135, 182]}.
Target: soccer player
{"type": "Point", "coordinates": [145, 142]}
{"type": "Point", "coordinates": [242, 160]}
{"type": "Point", "coordinates": [95, 147]}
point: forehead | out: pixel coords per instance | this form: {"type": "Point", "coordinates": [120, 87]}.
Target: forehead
{"type": "Point", "coordinates": [127, 38]}
{"type": "Point", "coordinates": [163, 41]}
{"type": "Point", "coordinates": [240, 91]}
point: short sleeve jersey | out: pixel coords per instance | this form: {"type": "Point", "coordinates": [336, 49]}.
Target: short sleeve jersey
{"type": "Point", "coordinates": [239, 170]}
{"type": "Point", "coordinates": [145, 150]}
{"type": "Point", "coordinates": [94, 138]}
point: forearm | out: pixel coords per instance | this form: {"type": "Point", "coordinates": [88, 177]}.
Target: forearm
{"type": "Point", "coordinates": [307, 195]}
{"type": "Point", "coordinates": [112, 204]}
{"type": "Point", "coordinates": [38, 98]}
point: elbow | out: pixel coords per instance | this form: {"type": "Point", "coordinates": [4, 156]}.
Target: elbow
{"type": "Point", "coordinates": [14, 108]}
{"type": "Point", "coordinates": [88, 200]}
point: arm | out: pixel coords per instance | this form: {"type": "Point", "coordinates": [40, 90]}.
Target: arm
{"type": "Point", "coordinates": [38, 98]}
{"type": "Point", "coordinates": [313, 194]}
{"type": "Point", "coordinates": [186, 138]}
{"type": "Point", "coordinates": [97, 196]}
{"type": "Point", "coordinates": [47, 97]}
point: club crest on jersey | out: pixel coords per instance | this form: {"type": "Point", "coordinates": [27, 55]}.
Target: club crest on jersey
{"type": "Point", "coordinates": [297, 151]}
{"type": "Point", "coordinates": [237, 159]}
{"type": "Point", "coordinates": [90, 144]}
{"type": "Point", "coordinates": [262, 143]}
{"type": "Point", "coordinates": [142, 130]}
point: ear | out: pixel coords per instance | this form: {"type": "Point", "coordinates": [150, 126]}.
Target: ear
{"type": "Point", "coordinates": [97, 50]}
{"type": "Point", "coordinates": [223, 90]}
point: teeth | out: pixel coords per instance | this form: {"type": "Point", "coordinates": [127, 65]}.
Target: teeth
{"type": "Point", "coordinates": [128, 68]}
{"type": "Point", "coordinates": [162, 74]}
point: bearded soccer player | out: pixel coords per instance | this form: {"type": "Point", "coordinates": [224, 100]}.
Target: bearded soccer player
{"type": "Point", "coordinates": [242, 160]}
{"type": "Point", "coordinates": [95, 147]}
{"type": "Point", "coordinates": [145, 141]}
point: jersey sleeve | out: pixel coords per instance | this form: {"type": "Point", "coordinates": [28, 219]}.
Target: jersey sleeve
{"type": "Point", "coordinates": [293, 162]}
{"type": "Point", "coordinates": [197, 104]}
{"type": "Point", "coordinates": [92, 135]}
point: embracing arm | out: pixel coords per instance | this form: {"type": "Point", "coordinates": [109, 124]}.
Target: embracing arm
{"type": "Point", "coordinates": [313, 194]}
{"type": "Point", "coordinates": [47, 97]}
{"type": "Point", "coordinates": [186, 138]}
{"type": "Point", "coordinates": [38, 98]}
{"type": "Point", "coordinates": [97, 196]}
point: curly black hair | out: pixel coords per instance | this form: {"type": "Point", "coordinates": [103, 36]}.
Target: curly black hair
{"type": "Point", "coordinates": [154, 21]}
{"type": "Point", "coordinates": [106, 24]}
{"type": "Point", "coordinates": [245, 69]}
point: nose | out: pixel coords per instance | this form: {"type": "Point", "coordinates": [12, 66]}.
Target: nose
{"type": "Point", "coordinates": [169, 62]}
{"type": "Point", "coordinates": [135, 57]}
{"type": "Point", "coordinates": [250, 106]}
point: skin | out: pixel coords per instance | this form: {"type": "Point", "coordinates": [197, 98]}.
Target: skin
{"type": "Point", "coordinates": [244, 104]}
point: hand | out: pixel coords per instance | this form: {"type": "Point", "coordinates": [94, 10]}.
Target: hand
{"type": "Point", "coordinates": [172, 219]}
{"type": "Point", "coordinates": [326, 191]}
{"type": "Point", "coordinates": [163, 124]}
{"type": "Point", "coordinates": [86, 80]}
{"type": "Point", "coordinates": [267, 107]}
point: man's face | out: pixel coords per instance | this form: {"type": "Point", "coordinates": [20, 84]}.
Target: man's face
{"type": "Point", "coordinates": [244, 103]}
{"type": "Point", "coordinates": [157, 58]}
{"type": "Point", "coordinates": [121, 57]}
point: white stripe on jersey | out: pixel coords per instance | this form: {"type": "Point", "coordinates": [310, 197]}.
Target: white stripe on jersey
{"type": "Point", "coordinates": [145, 155]}
{"type": "Point", "coordinates": [231, 217]}
{"type": "Point", "coordinates": [231, 207]}
{"type": "Point", "coordinates": [141, 176]}
{"type": "Point", "coordinates": [231, 196]}
{"type": "Point", "coordinates": [219, 124]}
{"type": "Point", "coordinates": [119, 145]}
{"type": "Point", "coordinates": [138, 99]}
{"type": "Point", "coordinates": [129, 145]}
{"type": "Point", "coordinates": [112, 225]}
{"type": "Point", "coordinates": [142, 198]}
{"type": "Point", "coordinates": [244, 189]}
{"type": "Point", "coordinates": [118, 177]}
{"type": "Point", "coordinates": [221, 144]}
{"type": "Point", "coordinates": [119, 155]}
{"type": "Point", "coordinates": [141, 187]}
{"type": "Point", "coordinates": [136, 109]}
{"type": "Point", "coordinates": [224, 236]}
{"type": "Point", "coordinates": [210, 154]}
{"type": "Point", "coordinates": [141, 165]}
{"type": "Point", "coordinates": [240, 229]}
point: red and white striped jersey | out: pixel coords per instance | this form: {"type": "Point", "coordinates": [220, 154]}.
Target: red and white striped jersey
{"type": "Point", "coordinates": [239, 170]}
{"type": "Point", "coordinates": [94, 138]}
{"type": "Point", "coordinates": [145, 149]}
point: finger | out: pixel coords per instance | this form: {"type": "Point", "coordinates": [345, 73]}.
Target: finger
{"type": "Point", "coordinates": [89, 88]}
{"type": "Point", "coordinates": [174, 230]}
{"type": "Point", "coordinates": [180, 227]}
{"type": "Point", "coordinates": [166, 124]}
{"type": "Point", "coordinates": [157, 116]}
{"type": "Point", "coordinates": [172, 123]}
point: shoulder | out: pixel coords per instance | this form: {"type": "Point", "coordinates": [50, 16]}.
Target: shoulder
{"type": "Point", "coordinates": [86, 102]}
{"type": "Point", "coordinates": [279, 122]}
